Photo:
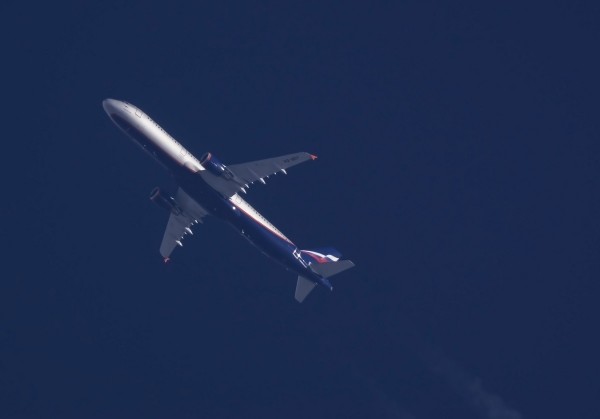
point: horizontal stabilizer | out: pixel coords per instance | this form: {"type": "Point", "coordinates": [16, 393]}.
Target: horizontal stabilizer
{"type": "Point", "coordinates": [303, 288]}
{"type": "Point", "coordinates": [329, 269]}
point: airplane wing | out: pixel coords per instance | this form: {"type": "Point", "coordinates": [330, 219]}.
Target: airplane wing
{"type": "Point", "coordinates": [181, 223]}
{"type": "Point", "coordinates": [255, 170]}
{"type": "Point", "coordinates": [238, 177]}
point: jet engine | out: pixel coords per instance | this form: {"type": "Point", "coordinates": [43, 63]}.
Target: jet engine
{"type": "Point", "coordinates": [214, 165]}
{"type": "Point", "coordinates": [166, 202]}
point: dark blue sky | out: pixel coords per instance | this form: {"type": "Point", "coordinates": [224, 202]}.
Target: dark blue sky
{"type": "Point", "coordinates": [458, 167]}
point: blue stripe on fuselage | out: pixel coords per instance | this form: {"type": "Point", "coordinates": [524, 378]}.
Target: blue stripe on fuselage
{"type": "Point", "coordinates": [261, 237]}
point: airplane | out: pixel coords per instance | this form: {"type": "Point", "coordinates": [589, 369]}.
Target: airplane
{"type": "Point", "coordinates": [206, 187]}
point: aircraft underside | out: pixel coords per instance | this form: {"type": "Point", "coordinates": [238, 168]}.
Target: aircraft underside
{"type": "Point", "coordinates": [209, 187]}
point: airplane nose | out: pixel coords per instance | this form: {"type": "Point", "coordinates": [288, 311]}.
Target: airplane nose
{"type": "Point", "coordinates": [110, 105]}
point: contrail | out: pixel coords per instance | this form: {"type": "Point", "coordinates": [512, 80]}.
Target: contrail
{"type": "Point", "coordinates": [487, 404]}
{"type": "Point", "coordinates": [387, 406]}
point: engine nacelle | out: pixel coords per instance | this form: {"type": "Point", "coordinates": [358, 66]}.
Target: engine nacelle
{"type": "Point", "coordinates": [214, 165]}
{"type": "Point", "coordinates": [165, 202]}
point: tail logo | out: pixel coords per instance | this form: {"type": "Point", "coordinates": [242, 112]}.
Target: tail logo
{"type": "Point", "coordinates": [320, 257]}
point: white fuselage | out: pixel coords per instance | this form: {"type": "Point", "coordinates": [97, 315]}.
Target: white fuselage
{"type": "Point", "coordinates": [168, 151]}
{"type": "Point", "coordinates": [152, 131]}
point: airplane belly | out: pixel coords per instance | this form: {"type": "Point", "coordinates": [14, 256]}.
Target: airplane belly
{"type": "Point", "coordinates": [267, 242]}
